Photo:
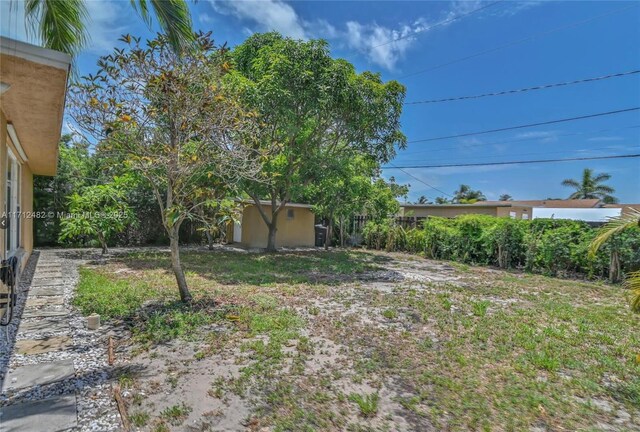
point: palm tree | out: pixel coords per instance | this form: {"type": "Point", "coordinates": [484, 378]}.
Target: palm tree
{"type": "Point", "coordinates": [60, 24]}
{"type": "Point", "coordinates": [506, 197]}
{"type": "Point", "coordinates": [590, 187]}
{"type": "Point", "coordinates": [423, 200]}
{"type": "Point", "coordinates": [614, 226]}
{"type": "Point", "coordinates": [466, 195]}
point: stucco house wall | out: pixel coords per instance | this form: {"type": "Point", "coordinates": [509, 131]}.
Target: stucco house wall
{"type": "Point", "coordinates": [295, 227]}
{"type": "Point", "coordinates": [33, 90]}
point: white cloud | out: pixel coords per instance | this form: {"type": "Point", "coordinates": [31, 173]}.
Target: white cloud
{"type": "Point", "coordinates": [376, 42]}
{"type": "Point", "coordinates": [106, 24]}
{"type": "Point", "coordinates": [205, 18]}
{"type": "Point", "coordinates": [544, 136]}
{"type": "Point", "coordinates": [382, 45]}
{"type": "Point", "coordinates": [267, 14]}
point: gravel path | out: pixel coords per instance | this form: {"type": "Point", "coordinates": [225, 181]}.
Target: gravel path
{"type": "Point", "coordinates": [71, 361]}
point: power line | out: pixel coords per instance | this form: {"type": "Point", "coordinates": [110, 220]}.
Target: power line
{"type": "Point", "coordinates": [517, 42]}
{"type": "Point", "coordinates": [518, 140]}
{"type": "Point", "coordinates": [421, 181]}
{"type": "Point", "coordinates": [526, 89]}
{"type": "Point", "coordinates": [457, 159]}
{"type": "Point", "coordinates": [447, 21]}
{"type": "Point", "coordinates": [627, 156]}
{"type": "Point", "coordinates": [526, 125]}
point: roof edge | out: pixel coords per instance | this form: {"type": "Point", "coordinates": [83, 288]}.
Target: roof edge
{"type": "Point", "coordinates": [34, 53]}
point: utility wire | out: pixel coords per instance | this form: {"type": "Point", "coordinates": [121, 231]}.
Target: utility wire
{"type": "Point", "coordinates": [420, 180]}
{"type": "Point", "coordinates": [577, 151]}
{"type": "Point", "coordinates": [527, 125]}
{"type": "Point", "coordinates": [447, 21]}
{"type": "Point", "coordinates": [526, 89]}
{"type": "Point", "coordinates": [627, 156]}
{"type": "Point", "coordinates": [518, 41]}
{"type": "Point", "coordinates": [535, 138]}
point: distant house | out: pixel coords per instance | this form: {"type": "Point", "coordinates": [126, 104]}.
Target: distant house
{"type": "Point", "coordinates": [295, 226]}
{"type": "Point", "coordinates": [589, 210]}
{"type": "Point", "coordinates": [33, 86]}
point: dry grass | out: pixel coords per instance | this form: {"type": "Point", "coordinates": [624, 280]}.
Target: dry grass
{"type": "Point", "coordinates": [294, 341]}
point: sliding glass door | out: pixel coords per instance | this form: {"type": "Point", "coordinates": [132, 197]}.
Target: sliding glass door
{"type": "Point", "coordinates": [12, 235]}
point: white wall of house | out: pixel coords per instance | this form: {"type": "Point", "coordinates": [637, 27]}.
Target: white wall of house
{"type": "Point", "coordinates": [581, 214]}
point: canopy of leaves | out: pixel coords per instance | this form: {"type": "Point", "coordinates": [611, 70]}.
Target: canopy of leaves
{"type": "Point", "coordinates": [311, 108]}
{"type": "Point", "coordinates": [98, 211]}
{"type": "Point", "coordinates": [169, 119]}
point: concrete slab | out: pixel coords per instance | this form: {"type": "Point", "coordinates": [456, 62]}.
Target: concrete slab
{"type": "Point", "coordinates": [45, 281]}
{"type": "Point", "coordinates": [44, 312]}
{"type": "Point", "coordinates": [38, 374]}
{"type": "Point", "coordinates": [52, 265]}
{"type": "Point", "coordinates": [49, 325]}
{"type": "Point", "coordinates": [39, 346]}
{"type": "Point", "coordinates": [42, 274]}
{"type": "Point", "coordinates": [53, 290]}
{"type": "Point", "coordinates": [44, 301]}
{"type": "Point", "coordinates": [49, 415]}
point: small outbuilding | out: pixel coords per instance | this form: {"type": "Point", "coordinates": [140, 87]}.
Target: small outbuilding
{"type": "Point", "coordinates": [295, 226]}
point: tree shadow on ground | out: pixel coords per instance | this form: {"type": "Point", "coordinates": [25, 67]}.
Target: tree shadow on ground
{"type": "Point", "coordinates": [299, 267]}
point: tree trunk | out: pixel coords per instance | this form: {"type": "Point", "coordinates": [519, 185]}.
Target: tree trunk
{"type": "Point", "coordinates": [327, 240]}
{"type": "Point", "coordinates": [614, 267]}
{"type": "Point", "coordinates": [103, 243]}
{"type": "Point", "coordinates": [209, 239]}
{"type": "Point", "coordinates": [341, 231]}
{"type": "Point", "coordinates": [271, 241]}
{"type": "Point", "coordinates": [185, 295]}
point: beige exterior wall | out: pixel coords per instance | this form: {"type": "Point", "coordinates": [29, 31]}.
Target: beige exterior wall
{"type": "Point", "coordinates": [292, 232]}
{"type": "Point", "coordinates": [520, 212]}
{"type": "Point", "coordinates": [3, 174]}
{"type": "Point", "coordinates": [26, 194]}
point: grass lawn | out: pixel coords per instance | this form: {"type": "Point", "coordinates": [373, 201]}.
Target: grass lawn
{"type": "Point", "coordinates": [367, 341]}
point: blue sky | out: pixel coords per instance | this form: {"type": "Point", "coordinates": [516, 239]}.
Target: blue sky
{"type": "Point", "coordinates": [568, 45]}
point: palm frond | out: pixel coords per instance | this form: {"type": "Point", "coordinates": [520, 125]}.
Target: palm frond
{"type": "Point", "coordinates": [601, 177]}
{"type": "Point", "coordinates": [604, 189]}
{"type": "Point", "coordinates": [175, 20]}
{"type": "Point", "coordinates": [142, 8]}
{"type": "Point", "coordinates": [633, 283]}
{"type": "Point", "coordinates": [570, 183]}
{"type": "Point", "coordinates": [614, 226]}
{"type": "Point", "coordinates": [59, 24]}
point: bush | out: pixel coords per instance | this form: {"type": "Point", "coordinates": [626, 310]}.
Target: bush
{"type": "Point", "coordinates": [507, 238]}
{"type": "Point", "coordinates": [375, 233]}
{"type": "Point", "coordinates": [555, 247]}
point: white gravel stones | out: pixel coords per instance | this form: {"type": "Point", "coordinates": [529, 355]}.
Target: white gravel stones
{"type": "Point", "coordinates": [89, 385]}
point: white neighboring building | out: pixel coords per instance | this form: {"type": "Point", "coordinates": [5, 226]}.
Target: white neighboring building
{"type": "Point", "coordinates": [581, 214]}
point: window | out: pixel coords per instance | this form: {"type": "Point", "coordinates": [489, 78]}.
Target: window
{"type": "Point", "coordinates": [525, 216]}
{"type": "Point", "coordinates": [512, 214]}
{"type": "Point", "coordinates": [290, 213]}
{"type": "Point", "coordinates": [12, 235]}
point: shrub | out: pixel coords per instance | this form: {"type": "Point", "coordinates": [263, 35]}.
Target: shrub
{"type": "Point", "coordinates": [507, 239]}
{"type": "Point", "coordinates": [557, 247]}
{"type": "Point", "coordinates": [375, 233]}
{"type": "Point", "coordinates": [416, 241]}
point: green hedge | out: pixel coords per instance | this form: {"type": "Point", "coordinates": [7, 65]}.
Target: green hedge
{"type": "Point", "coordinates": [555, 247]}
